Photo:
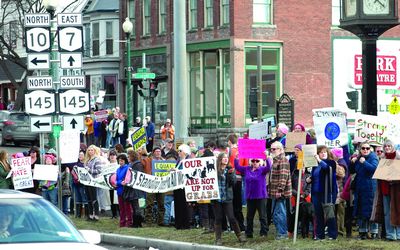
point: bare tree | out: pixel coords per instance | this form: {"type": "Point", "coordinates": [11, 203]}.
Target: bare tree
{"type": "Point", "coordinates": [12, 30]}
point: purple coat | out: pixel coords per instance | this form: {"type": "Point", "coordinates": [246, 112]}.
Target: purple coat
{"type": "Point", "coordinates": [256, 186]}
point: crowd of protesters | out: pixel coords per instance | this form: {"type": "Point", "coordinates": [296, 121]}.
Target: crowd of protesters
{"type": "Point", "coordinates": [336, 194]}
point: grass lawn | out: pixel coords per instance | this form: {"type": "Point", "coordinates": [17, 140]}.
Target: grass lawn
{"type": "Point", "coordinates": [107, 225]}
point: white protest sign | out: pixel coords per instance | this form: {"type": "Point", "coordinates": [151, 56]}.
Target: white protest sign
{"type": "Point", "coordinates": [330, 127]}
{"type": "Point", "coordinates": [109, 168]}
{"type": "Point", "coordinates": [201, 179]}
{"type": "Point", "coordinates": [376, 129]}
{"type": "Point", "coordinates": [309, 152]}
{"type": "Point", "coordinates": [22, 173]}
{"type": "Point", "coordinates": [45, 172]}
{"type": "Point", "coordinates": [260, 130]}
{"type": "Point", "coordinates": [69, 145]}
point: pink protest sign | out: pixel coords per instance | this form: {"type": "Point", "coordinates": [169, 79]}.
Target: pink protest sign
{"type": "Point", "coordinates": [251, 148]}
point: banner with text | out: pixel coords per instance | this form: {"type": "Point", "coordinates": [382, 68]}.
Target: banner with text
{"type": "Point", "coordinates": [330, 127]}
{"type": "Point", "coordinates": [251, 148]}
{"type": "Point", "coordinates": [161, 168]}
{"type": "Point", "coordinates": [22, 173]}
{"type": "Point", "coordinates": [201, 179]}
{"type": "Point", "coordinates": [138, 138]}
{"type": "Point", "coordinates": [375, 129]}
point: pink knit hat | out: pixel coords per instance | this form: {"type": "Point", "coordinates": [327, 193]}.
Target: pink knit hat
{"type": "Point", "coordinates": [338, 152]}
{"type": "Point", "coordinates": [283, 128]}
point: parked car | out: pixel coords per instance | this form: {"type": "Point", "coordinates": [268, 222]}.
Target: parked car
{"type": "Point", "coordinates": [4, 116]}
{"type": "Point", "coordinates": [16, 129]}
{"type": "Point", "coordinates": [27, 221]}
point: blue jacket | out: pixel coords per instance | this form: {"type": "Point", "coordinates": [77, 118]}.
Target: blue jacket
{"type": "Point", "coordinates": [150, 130]}
{"type": "Point", "coordinates": [365, 186]}
{"type": "Point", "coordinates": [319, 175]}
{"type": "Point", "coordinates": [120, 176]}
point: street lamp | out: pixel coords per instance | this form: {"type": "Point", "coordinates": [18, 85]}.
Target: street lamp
{"type": "Point", "coordinates": [51, 6]}
{"type": "Point", "coordinates": [127, 26]}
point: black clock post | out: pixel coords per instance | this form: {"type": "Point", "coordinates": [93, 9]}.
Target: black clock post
{"type": "Point", "coordinates": [368, 19]}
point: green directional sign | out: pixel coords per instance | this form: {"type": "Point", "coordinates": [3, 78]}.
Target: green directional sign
{"type": "Point", "coordinates": [142, 70]}
{"type": "Point", "coordinates": [144, 75]}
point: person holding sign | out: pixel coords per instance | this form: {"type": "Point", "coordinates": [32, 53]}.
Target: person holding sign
{"type": "Point", "coordinates": [93, 166]}
{"type": "Point", "coordinates": [5, 169]}
{"type": "Point", "coordinates": [324, 193]}
{"type": "Point", "coordinates": [49, 188]}
{"type": "Point", "coordinates": [256, 193]}
{"type": "Point", "coordinates": [364, 165]}
{"type": "Point", "coordinates": [386, 199]}
{"type": "Point", "coordinates": [223, 206]}
{"type": "Point", "coordinates": [125, 209]}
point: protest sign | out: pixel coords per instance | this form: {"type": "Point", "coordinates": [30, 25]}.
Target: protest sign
{"type": "Point", "coordinates": [22, 173]}
{"type": "Point", "coordinates": [330, 127]}
{"type": "Point", "coordinates": [251, 148]}
{"type": "Point", "coordinates": [161, 168]}
{"type": "Point", "coordinates": [201, 179]}
{"type": "Point", "coordinates": [45, 172]}
{"type": "Point", "coordinates": [260, 130]}
{"type": "Point", "coordinates": [69, 145]}
{"type": "Point", "coordinates": [309, 152]}
{"type": "Point", "coordinates": [138, 138]}
{"type": "Point", "coordinates": [101, 115]}
{"type": "Point", "coordinates": [375, 129]}
{"type": "Point", "coordinates": [388, 170]}
{"type": "Point", "coordinates": [294, 138]}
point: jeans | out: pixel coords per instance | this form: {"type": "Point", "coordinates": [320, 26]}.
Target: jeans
{"type": "Point", "coordinates": [167, 205]}
{"type": "Point", "coordinates": [392, 232]}
{"type": "Point", "coordinates": [51, 195]}
{"type": "Point", "coordinates": [79, 194]}
{"type": "Point", "coordinates": [364, 225]}
{"type": "Point", "coordinates": [108, 140]}
{"type": "Point", "coordinates": [115, 141]}
{"type": "Point", "coordinates": [65, 204]}
{"type": "Point", "coordinates": [279, 216]}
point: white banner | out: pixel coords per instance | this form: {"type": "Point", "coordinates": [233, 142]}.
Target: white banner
{"type": "Point", "coordinates": [22, 173]}
{"type": "Point", "coordinates": [201, 179]}
{"type": "Point", "coordinates": [330, 127]}
{"type": "Point", "coordinates": [376, 129]}
{"type": "Point", "coordinates": [45, 172]}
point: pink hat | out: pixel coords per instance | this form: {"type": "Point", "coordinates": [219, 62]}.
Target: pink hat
{"type": "Point", "coordinates": [283, 128]}
{"type": "Point", "coordinates": [301, 125]}
{"type": "Point", "coordinates": [51, 157]}
{"type": "Point", "coordinates": [338, 152]}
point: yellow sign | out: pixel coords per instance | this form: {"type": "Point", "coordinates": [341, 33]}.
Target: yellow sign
{"type": "Point", "coordinates": [394, 107]}
{"type": "Point", "coordinates": [300, 157]}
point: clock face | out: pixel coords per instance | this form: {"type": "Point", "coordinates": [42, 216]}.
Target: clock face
{"type": "Point", "coordinates": [376, 7]}
{"type": "Point", "coordinates": [351, 8]}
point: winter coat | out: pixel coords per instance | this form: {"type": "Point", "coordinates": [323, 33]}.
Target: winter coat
{"type": "Point", "coordinates": [365, 186]}
{"type": "Point", "coordinates": [138, 167]}
{"type": "Point", "coordinates": [318, 177]}
{"type": "Point", "coordinates": [4, 183]}
{"type": "Point", "coordinates": [230, 180]}
{"type": "Point", "coordinates": [256, 186]}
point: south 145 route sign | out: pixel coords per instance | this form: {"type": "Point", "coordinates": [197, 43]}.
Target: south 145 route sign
{"type": "Point", "coordinates": [74, 102]}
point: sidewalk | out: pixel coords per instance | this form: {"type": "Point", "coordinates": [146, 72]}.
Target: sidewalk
{"type": "Point", "coordinates": [130, 241]}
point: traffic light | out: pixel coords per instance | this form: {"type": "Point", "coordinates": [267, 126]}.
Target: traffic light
{"type": "Point", "coordinates": [153, 91]}
{"type": "Point", "coordinates": [253, 101]}
{"type": "Point", "coordinates": [353, 100]}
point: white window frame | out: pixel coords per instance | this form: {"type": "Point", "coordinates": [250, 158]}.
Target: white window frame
{"type": "Point", "coordinates": [162, 16]}
{"type": "Point", "coordinates": [146, 18]}
{"type": "Point", "coordinates": [206, 14]}
{"type": "Point", "coordinates": [193, 25]}
{"type": "Point", "coordinates": [335, 12]}
{"type": "Point", "coordinates": [267, 5]}
{"type": "Point", "coordinates": [224, 3]}
{"type": "Point", "coordinates": [132, 17]}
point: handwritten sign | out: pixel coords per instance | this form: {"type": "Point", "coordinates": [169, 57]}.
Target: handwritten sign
{"type": "Point", "coordinates": [138, 138]}
{"type": "Point", "coordinates": [161, 168]}
{"type": "Point", "coordinates": [294, 138]}
{"type": "Point", "coordinates": [388, 170]}
{"type": "Point", "coordinates": [45, 172]}
{"type": "Point", "coordinates": [22, 173]}
{"type": "Point", "coordinates": [201, 179]}
{"type": "Point", "coordinates": [330, 127]}
{"type": "Point", "coordinates": [251, 148]}
{"type": "Point", "coordinates": [69, 146]}
{"type": "Point", "coordinates": [375, 129]}
{"type": "Point", "coordinates": [309, 151]}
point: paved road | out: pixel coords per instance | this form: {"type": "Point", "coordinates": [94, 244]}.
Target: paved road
{"type": "Point", "coordinates": [113, 247]}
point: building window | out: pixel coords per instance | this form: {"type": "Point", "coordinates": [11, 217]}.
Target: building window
{"type": "Point", "coordinates": [335, 12]}
{"type": "Point", "coordinates": [86, 51]}
{"type": "Point", "coordinates": [210, 88]}
{"type": "Point", "coordinates": [224, 12]}
{"type": "Point", "coordinates": [192, 14]}
{"type": "Point", "coordinates": [208, 13]}
{"type": "Point", "coordinates": [132, 11]}
{"type": "Point", "coordinates": [95, 39]}
{"type": "Point", "coordinates": [270, 79]}
{"type": "Point", "coordinates": [162, 16]}
{"type": "Point", "coordinates": [109, 38]}
{"type": "Point", "coordinates": [110, 86]}
{"type": "Point", "coordinates": [146, 17]}
{"type": "Point", "coordinates": [262, 11]}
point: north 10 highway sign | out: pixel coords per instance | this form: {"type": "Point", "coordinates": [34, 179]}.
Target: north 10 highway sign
{"type": "Point", "coordinates": [74, 102]}
{"type": "Point", "coordinates": [37, 39]}
{"type": "Point", "coordinates": [40, 102]}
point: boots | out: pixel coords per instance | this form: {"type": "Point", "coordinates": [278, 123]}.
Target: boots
{"type": "Point", "coordinates": [78, 211]}
{"type": "Point", "coordinates": [206, 226]}
{"type": "Point", "coordinates": [239, 235]}
{"type": "Point", "coordinates": [86, 207]}
{"type": "Point", "coordinates": [218, 235]}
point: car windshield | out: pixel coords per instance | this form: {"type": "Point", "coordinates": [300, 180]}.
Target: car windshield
{"type": "Point", "coordinates": [34, 220]}
{"type": "Point", "coordinates": [19, 117]}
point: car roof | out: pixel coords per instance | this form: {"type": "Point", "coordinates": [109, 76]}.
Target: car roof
{"type": "Point", "coordinates": [13, 194]}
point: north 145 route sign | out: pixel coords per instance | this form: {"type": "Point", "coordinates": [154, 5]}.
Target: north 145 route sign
{"type": "Point", "coordinates": [74, 102]}
{"type": "Point", "coordinates": [40, 102]}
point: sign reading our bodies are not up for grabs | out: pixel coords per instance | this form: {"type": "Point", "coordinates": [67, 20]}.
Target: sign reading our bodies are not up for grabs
{"type": "Point", "coordinates": [201, 179]}
{"type": "Point", "coordinates": [330, 127]}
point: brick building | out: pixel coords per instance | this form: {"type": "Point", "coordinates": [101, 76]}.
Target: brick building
{"type": "Point", "coordinates": [300, 42]}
